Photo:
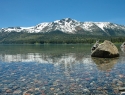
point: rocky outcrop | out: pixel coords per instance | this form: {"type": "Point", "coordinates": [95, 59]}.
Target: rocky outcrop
{"type": "Point", "coordinates": [105, 50]}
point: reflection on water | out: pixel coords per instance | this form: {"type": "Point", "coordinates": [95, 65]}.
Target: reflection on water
{"type": "Point", "coordinates": [45, 54]}
{"type": "Point", "coordinates": [105, 63]}
{"type": "Point", "coordinates": [58, 70]}
{"type": "Point", "coordinates": [46, 58]}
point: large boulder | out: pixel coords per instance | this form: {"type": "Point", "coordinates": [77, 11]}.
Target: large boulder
{"type": "Point", "coordinates": [105, 50]}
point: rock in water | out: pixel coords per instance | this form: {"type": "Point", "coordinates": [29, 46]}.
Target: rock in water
{"type": "Point", "coordinates": [123, 45]}
{"type": "Point", "coordinates": [106, 50]}
{"type": "Point", "coordinates": [95, 46]}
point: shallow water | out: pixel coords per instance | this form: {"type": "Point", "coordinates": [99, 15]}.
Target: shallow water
{"type": "Point", "coordinates": [59, 70]}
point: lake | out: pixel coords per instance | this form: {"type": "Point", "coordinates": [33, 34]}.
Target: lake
{"type": "Point", "coordinates": [59, 70]}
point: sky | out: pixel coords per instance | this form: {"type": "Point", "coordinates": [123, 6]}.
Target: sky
{"type": "Point", "coordinates": [26, 13]}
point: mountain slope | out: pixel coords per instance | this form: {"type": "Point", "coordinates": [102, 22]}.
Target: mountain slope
{"type": "Point", "coordinates": [71, 26]}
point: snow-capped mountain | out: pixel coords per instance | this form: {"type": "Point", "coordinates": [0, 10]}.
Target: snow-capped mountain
{"type": "Point", "coordinates": [71, 26]}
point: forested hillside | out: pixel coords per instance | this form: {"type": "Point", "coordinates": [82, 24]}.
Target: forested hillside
{"type": "Point", "coordinates": [55, 37]}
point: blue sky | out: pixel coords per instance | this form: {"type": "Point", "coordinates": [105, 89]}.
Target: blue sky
{"type": "Point", "coordinates": [32, 12]}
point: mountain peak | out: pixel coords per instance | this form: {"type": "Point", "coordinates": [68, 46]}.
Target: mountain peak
{"type": "Point", "coordinates": [68, 25]}
{"type": "Point", "coordinates": [65, 20]}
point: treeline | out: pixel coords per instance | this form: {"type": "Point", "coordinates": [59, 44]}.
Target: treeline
{"type": "Point", "coordinates": [55, 37]}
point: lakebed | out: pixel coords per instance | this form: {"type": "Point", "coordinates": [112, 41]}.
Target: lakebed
{"type": "Point", "coordinates": [59, 70]}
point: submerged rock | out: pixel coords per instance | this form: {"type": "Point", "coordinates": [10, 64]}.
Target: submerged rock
{"type": "Point", "coordinates": [121, 88]}
{"type": "Point", "coordinates": [105, 50]}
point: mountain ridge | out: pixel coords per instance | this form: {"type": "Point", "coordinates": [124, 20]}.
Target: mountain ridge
{"type": "Point", "coordinates": [72, 26]}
